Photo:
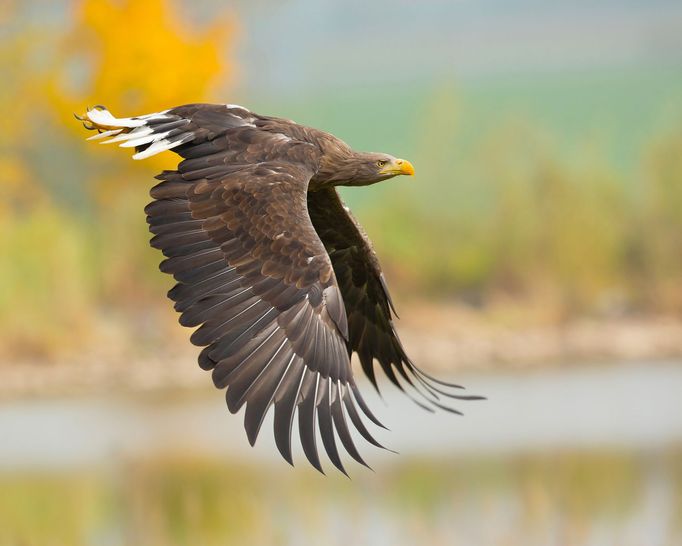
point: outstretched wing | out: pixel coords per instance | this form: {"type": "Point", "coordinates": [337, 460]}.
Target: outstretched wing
{"type": "Point", "coordinates": [254, 276]}
{"type": "Point", "coordinates": [368, 304]}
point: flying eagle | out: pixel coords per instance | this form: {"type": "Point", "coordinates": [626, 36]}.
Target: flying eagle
{"type": "Point", "coordinates": [272, 267]}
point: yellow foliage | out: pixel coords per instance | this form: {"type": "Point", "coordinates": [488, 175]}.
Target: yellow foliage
{"type": "Point", "coordinates": [59, 266]}
{"type": "Point", "coordinates": [142, 57]}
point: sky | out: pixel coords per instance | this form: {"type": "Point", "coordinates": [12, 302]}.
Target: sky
{"type": "Point", "coordinates": [304, 44]}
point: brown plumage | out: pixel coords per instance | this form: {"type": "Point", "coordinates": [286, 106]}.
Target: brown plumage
{"type": "Point", "coordinates": [272, 268]}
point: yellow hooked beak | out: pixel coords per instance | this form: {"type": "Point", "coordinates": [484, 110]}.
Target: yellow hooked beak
{"type": "Point", "coordinates": [399, 166]}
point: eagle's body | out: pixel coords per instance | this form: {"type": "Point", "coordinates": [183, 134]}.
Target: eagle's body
{"type": "Point", "coordinates": [272, 267]}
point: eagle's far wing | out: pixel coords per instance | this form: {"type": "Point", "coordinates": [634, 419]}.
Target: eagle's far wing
{"type": "Point", "coordinates": [369, 308]}
{"type": "Point", "coordinates": [254, 275]}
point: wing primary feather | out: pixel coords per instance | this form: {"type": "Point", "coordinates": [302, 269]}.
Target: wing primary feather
{"type": "Point", "coordinates": [433, 398]}
{"type": "Point", "coordinates": [384, 287]}
{"type": "Point", "coordinates": [435, 379]}
{"type": "Point", "coordinates": [432, 402]}
{"type": "Point", "coordinates": [419, 403]}
{"type": "Point", "coordinates": [367, 363]}
{"type": "Point", "coordinates": [385, 366]}
{"type": "Point", "coordinates": [260, 394]}
{"type": "Point", "coordinates": [412, 368]}
{"type": "Point", "coordinates": [401, 370]}
{"type": "Point", "coordinates": [306, 418]}
{"type": "Point", "coordinates": [363, 406]}
{"type": "Point", "coordinates": [423, 381]}
{"type": "Point", "coordinates": [285, 407]}
{"type": "Point", "coordinates": [366, 360]}
{"type": "Point", "coordinates": [421, 373]}
{"type": "Point", "coordinates": [313, 361]}
{"type": "Point", "coordinates": [342, 427]}
{"type": "Point", "coordinates": [326, 426]}
{"type": "Point", "coordinates": [430, 389]}
{"type": "Point", "coordinates": [447, 408]}
{"type": "Point", "coordinates": [204, 359]}
{"type": "Point", "coordinates": [357, 421]}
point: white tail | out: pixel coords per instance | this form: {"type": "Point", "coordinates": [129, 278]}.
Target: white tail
{"type": "Point", "coordinates": [158, 132]}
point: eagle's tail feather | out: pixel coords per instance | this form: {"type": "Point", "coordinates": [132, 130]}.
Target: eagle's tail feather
{"type": "Point", "coordinates": [104, 134]}
{"type": "Point", "coordinates": [148, 134]}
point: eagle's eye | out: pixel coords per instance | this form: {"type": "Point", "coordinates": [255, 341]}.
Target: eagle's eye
{"type": "Point", "coordinates": [381, 163]}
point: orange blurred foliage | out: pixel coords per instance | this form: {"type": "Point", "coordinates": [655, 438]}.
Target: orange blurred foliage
{"type": "Point", "coordinates": [59, 267]}
{"type": "Point", "coordinates": [142, 57]}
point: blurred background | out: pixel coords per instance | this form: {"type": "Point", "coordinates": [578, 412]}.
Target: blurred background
{"type": "Point", "coordinates": [536, 258]}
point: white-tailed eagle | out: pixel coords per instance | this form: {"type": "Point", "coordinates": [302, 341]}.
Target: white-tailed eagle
{"type": "Point", "coordinates": [278, 276]}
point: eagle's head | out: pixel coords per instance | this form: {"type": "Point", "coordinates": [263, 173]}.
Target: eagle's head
{"type": "Point", "coordinates": [375, 167]}
{"type": "Point", "coordinates": [340, 165]}
{"type": "Point", "coordinates": [352, 168]}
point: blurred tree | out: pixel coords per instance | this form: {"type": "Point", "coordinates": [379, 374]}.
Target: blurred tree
{"type": "Point", "coordinates": [138, 57]}
{"type": "Point", "coordinates": [60, 265]}
{"type": "Point", "coordinates": [657, 245]}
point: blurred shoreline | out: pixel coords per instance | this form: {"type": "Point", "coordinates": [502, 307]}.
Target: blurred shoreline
{"type": "Point", "coordinates": [441, 339]}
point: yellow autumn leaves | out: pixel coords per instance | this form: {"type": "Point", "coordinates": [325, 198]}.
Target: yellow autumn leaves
{"type": "Point", "coordinates": [59, 265]}
{"type": "Point", "coordinates": [143, 56]}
